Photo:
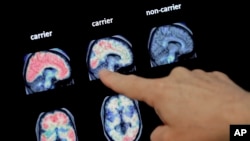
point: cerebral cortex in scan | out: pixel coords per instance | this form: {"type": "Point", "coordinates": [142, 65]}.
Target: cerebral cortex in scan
{"type": "Point", "coordinates": [170, 43]}
{"type": "Point", "coordinates": [121, 119]}
{"type": "Point", "coordinates": [56, 125]}
{"type": "Point", "coordinates": [46, 70]}
{"type": "Point", "coordinates": [112, 53]}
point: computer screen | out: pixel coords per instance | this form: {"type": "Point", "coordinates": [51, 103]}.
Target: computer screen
{"type": "Point", "coordinates": [60, 55]}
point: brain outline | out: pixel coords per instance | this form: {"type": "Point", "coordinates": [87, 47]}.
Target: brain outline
{"type": "Point", "coordinates": [56, 123]}
{"type": "Point", "coordinates": [132, 123]}
{"type": "Point", "coordinates": [38, 64]}
{"type": "Point", "coordinates": [104, 53]}
{"type": "Point", "coordinates": [169, 42]}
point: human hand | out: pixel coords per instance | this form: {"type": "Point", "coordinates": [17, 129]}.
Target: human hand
{"type": "Point", "coordinates": [193, 105]}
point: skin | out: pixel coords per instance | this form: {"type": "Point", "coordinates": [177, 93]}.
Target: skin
{"type": "Point", "coordinates": [193, 105]}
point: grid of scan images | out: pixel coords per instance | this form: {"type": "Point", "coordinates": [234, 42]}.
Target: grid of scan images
{"type": "Point", "coordinates": [120, 118]}
{"type": "Point", "coordinates": [49, 69]}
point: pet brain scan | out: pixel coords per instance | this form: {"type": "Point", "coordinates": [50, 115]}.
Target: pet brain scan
{"type": "Point", "coordinates": [112, 53]}
{"type": "Point", "coordinates": [57, 125]}
{"type": "Point", "coordinates": [167, 44]}
{"type": "Point", "coordinates": [121, 119]}
{"type": "Point", "coordinates": [45, 70]}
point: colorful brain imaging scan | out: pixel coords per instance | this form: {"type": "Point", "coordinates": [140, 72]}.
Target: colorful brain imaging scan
{"type": "Point", "coordinates": [57, 125]}
{"type": "Point", "coordinates": [170, 43]}
{"type": "Point", "coordinates": [46, 70]}
{"type": "Point", "coordinates": [121, 119]}
{"type": "Point", "coordinates": [112, 53]}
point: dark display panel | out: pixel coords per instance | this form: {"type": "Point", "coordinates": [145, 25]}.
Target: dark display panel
{"type": "Point", "coordinates": [59, 57]}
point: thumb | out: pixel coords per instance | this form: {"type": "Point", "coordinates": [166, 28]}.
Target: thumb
{"type": "Point", "coordinates": [161, 133]}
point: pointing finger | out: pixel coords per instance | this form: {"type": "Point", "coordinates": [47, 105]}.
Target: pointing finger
{"type": "Point", "coordinates": [129, 85]}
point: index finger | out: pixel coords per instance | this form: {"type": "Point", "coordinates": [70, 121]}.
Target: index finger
{"type": "Point", "coordinates": [132, 86]}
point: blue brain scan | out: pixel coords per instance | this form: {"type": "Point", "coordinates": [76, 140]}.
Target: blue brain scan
{"type": "Point", "coordinates": [170, 43]}
{"type": "Point", "coordinates": [112, 53]}
{"type": "Point", "coordinates": [46, 70]}
{"type": "Point", "coordinates": [121, 119]}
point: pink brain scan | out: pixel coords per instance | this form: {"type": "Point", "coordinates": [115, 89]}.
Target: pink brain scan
{"type": "Point", "coordinates": [121, 118]}
{"type": "Point", "coordinates": [46, 70]}
{"type": "Point", "coordinates": [57, 125]}
{"type": "Point", "coordinates": [112, 53]}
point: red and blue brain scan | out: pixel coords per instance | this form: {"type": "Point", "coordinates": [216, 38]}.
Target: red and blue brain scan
{"type": "Point", "coordinates": [170, 43]}
{"type": "Point", "coordinates": [112, 53]}
{"type": "Point", "coordinates": [121, 119]}
{"type": "Point", "coordinates": [46, 70]}
{"type": "Point", "coordinates": [56, 125]}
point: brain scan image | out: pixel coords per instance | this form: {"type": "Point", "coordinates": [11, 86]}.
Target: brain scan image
{"type": "Point", "coordinates": [121, 119]}
{"type": "Point", "coordinates": [170, 43]}
{"type": "Point", "coordinates": [112, 53]}
{"type": "Point", "coordinates": [46, 70]}
{"type": "Point", "coordinates": [57, 125]}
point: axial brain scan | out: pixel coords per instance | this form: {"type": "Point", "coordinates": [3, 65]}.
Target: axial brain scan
{"type": "Point", "coordinates": [45, 70]}
{"type": "Point", "coordinates": [121, 119]}
{"type": "Point", "coordinates": [170, 43]}
{"type": "Point", "coordinates": [112, 53]}
{"type": "Point", "coordinates": [57, 125]}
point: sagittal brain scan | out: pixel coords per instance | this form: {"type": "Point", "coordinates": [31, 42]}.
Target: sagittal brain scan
{"type": "Point", "coordinates": [57, 125]}
{"type": "Point", "coordinates": [46, 70]}
{"type": "Point", "coordinates": [112, 53]}
{"type": "Point", "coordinates": [170, 43]}
{"type": "Point", "coordinates": [121, 119]}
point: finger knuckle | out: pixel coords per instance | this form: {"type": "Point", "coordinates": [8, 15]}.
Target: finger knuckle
{"type": "Point", "coordinates": [179, 70]}
{"type": "Point", "coordinates": [198, 71]}
{"type": "Point", "coordinates": [220, 74]}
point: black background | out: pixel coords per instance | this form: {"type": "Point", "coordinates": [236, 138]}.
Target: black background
{"type": "Point", "coordinates": [219, 41]}
{"type": "Point", "coordinates": [238, 136]}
